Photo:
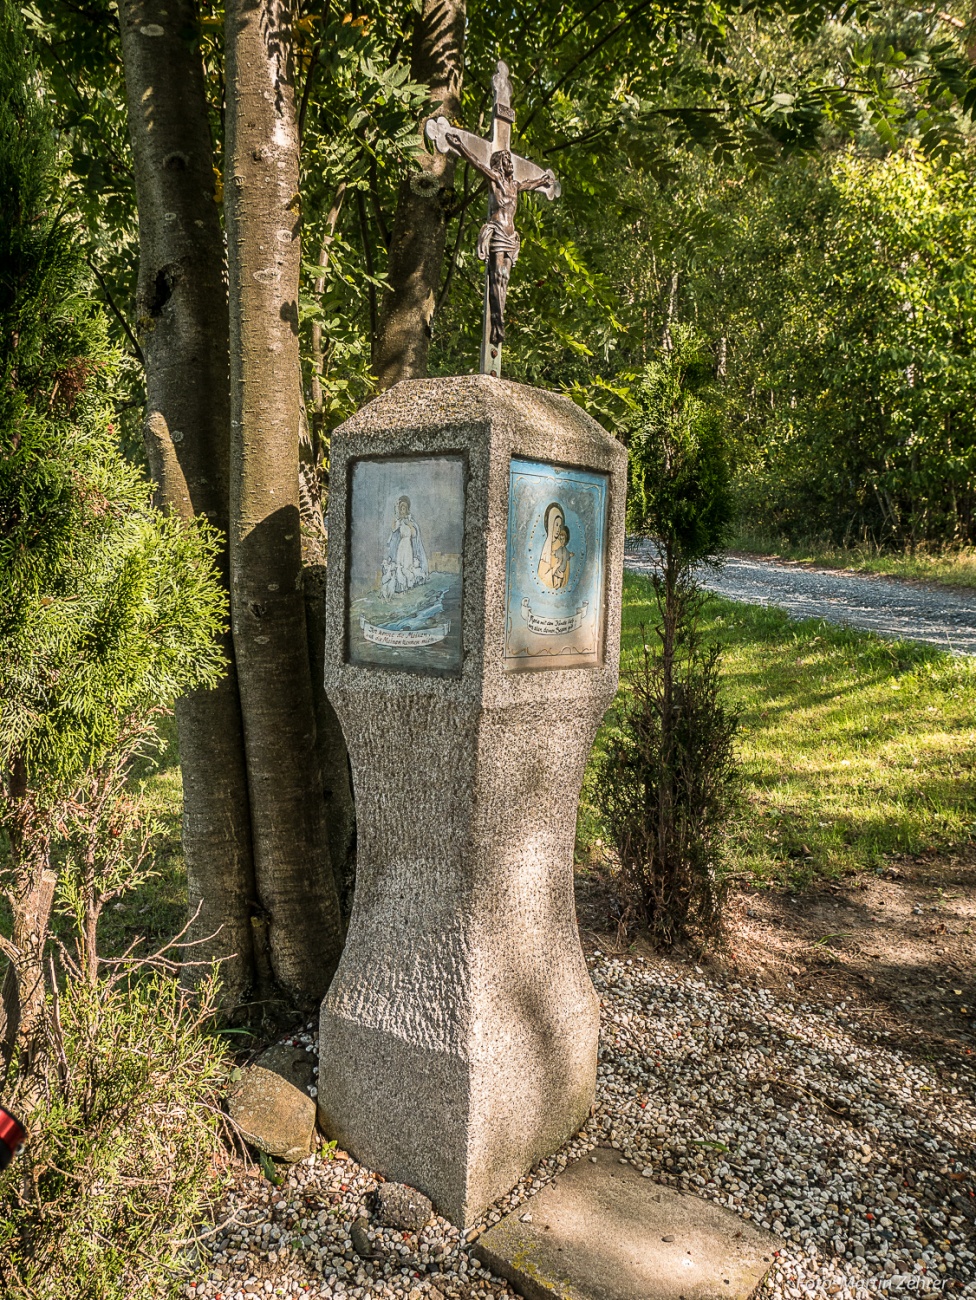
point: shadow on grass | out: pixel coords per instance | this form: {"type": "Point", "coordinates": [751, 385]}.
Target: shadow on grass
{"type": "Point", "coordinates": [852, 747]}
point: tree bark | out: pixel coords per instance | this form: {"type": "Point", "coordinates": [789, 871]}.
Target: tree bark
{"type": "Point", "coordinates": [31, 908]}
{"type": "Point", "coordinates": [183, 327]}
{"type": "Point", "coordinates": [291, 854]}
{"type": "Point", "coordinates": [30, 895]}
{"type": "Point", "coordinates": [330, 746]}
{"type": "Point", "coordinates": [420, 225]}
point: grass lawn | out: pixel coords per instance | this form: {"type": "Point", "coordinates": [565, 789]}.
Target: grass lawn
{"type": "Point", "coordinates": [156, 909]}
{"type": "Point", "coordinates": [950, 569]}
{"type": "Point", "coordinates": [854, 748]}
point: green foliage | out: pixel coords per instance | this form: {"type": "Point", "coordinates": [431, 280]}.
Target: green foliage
{"type": "Point", "coordinates": [620, 104]}
{"type": "Point", "coordinates": [680, 492]}
{"type": "Point", "coordinates": [666, 781]}
{"type": "Point", "coordinates": [107, 609]}
{"type": "Point", "coordinates": [360, 136]}
{"type": "Point", "coordinates": [120, 1162]}
{"type": "Point", "coordinates": [853, 351]}
{"type": "Point", "coordinates": [666, 785]}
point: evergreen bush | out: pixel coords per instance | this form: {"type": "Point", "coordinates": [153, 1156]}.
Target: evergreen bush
{"type": "Point", "coordinates": [666, 782]}
{"type": "Point", "coordinates": [108, 611]}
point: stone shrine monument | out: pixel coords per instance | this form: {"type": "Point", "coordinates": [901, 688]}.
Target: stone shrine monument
{"type": "Point", "coordinates": [473, 621]}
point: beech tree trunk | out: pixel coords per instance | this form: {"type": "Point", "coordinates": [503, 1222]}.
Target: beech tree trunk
{"type": "Point", "coordinates": [330, 746]}
{"type": "Point", "coordinates": [423, 204]}
{"type": "Point", "coordinates": [182, 324]}
{"type": "Point", "coordinates": [294, 877]}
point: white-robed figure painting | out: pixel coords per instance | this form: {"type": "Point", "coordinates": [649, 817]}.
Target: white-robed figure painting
{"type": "Point", "coordinates": [405, 580]}
{"type": "Point", "coordinates": [405, 550]}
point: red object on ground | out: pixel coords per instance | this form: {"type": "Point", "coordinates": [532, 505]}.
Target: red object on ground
{"type": "Point", "coordinates": [12, 1135]}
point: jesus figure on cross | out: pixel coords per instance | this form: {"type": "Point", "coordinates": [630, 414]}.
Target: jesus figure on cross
{"type": "Point", "coordinates": [498, 240]}
{"type": "Point", "coordinates": [508, 175]}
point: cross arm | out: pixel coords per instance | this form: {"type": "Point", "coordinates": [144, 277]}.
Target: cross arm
{"type": "Point", "coordinates": [478, 152]}
{"type": "Point", "coordinates": [473, 147]}
{"type": "Point", "coordinates": [531, 177]}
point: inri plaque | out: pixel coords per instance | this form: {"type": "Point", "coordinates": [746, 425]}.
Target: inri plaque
{"type": "Point", "coordinates": [554, 566]}
{"type": "Point", "coordinates": [403, 606]}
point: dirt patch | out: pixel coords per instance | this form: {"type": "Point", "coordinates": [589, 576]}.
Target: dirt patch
{"type": "Point", "coordinates": [899, 947]}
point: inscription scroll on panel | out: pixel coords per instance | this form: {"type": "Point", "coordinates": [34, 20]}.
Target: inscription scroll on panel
{"type": "Point", "coordinates": [555, 559]}
{"type": "Point", "coordinates": [404, 574]}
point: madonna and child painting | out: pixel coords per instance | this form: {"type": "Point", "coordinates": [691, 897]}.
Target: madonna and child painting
{"type": "Point", "coordinates": [554, 566]}
{"type": "Point", "coordinates": [407, 529]}
{"type": "Point", "coordinates": [556, 556]}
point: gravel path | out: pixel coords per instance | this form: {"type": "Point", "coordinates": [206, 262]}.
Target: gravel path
{"type": "Point", "coordinates": [892, 609]}
{"type": "Point", "coordinates": [796, 1114]}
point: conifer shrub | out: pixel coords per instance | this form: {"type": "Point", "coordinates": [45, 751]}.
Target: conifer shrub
{"type": "Point", "coordinates": [666, 783]}
{"type": "Point", "coordinates": [125, 1145]}
{"type": "Point", "coordinates": [108, 612]}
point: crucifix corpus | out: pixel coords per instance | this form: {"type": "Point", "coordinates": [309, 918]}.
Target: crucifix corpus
{"type": "Point", "coordinates": [508, 176]}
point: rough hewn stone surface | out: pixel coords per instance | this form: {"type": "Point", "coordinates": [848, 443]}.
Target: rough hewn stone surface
{"type": "Point", "coordinates": [458, 1039]}
{"type": "Point", "coordinates": [602, 1232]}
{"type": "Point", "coordinates": [292, 1063]}
{"type": "Point", "coordinates": [399, 1206]}
{"type": "Point", "coordinates": [272, 1114]}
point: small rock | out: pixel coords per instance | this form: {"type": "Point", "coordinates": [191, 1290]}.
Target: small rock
{"type": "Point", "coordinates": [399, 1206]}
{"type": "Point", "coordinates": [361, 1243]}
{"type": "Point", "coordinates": [292, 1063]}
{"type": "Point", "coordinates": [272, 1114]}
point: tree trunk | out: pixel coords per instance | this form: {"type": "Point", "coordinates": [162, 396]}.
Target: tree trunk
{"type": "Point", "coordinates": [183, 326]}
{"type": "Point", "coordinates": [291, 853]}
{"type": "Point", "coordinates": [330, 745]}
{"type": "Point", "coordinates": [420, 225]}
{"type": "Point", "coordinates": [31, 909]}
{"type": "Point", "coordinates": [30, 895]}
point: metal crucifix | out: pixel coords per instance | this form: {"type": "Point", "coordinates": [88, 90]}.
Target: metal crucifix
{"type": "Point", "coordinates": [508, 176]}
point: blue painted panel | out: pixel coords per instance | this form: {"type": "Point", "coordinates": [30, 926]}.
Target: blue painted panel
{"type": "Point", "coordinates": [555, 559]}
{"type": "Point", "coordinates": [403, 606]}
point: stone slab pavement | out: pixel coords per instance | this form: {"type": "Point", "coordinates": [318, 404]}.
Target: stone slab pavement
{"type": "Point", "coordinates": [602, 1231]}
{"type": "Point", "coordinates": [888, 608]}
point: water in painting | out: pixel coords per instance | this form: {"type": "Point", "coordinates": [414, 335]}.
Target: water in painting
{"type": "Point", "coordinates": [404, 577]}
{"type": "Point", "coordinates": [554, 566]}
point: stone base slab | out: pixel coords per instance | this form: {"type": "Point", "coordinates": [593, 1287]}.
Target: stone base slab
{"type": "Point", "coordinates": [602, 1231]}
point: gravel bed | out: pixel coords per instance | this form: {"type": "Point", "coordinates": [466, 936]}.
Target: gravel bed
{"type": "Point", "coordinates": [797, 1115]}
{"type": "Point", "coordinates": [890, 609]}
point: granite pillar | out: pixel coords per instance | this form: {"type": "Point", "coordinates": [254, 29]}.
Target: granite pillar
{"type": "Point", "coordinates": [476, 552]}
